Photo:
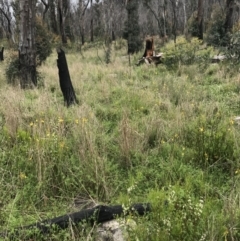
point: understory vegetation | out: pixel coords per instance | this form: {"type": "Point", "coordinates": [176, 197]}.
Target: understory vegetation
{"type": "Point", "coordinates": [166, 135]}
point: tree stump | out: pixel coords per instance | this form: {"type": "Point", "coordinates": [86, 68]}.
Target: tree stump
{"type": "Point", "coordinates": [149, 48]}
{"type": "Point", "coordinates": [65, 80]}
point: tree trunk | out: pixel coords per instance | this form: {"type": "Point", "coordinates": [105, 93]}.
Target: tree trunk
{"type": "Point", "coordinates": [149, 48]}
{"type": "Point", "coordinates": [65, 80]}
{"type": "Point", "coordinates": [1, 54]}
{"type": "Point", "coordinates": [132, 28]}
{"type": "Point", "coordinates": [10, 35]}
{"type": "Point", "coordinates": [27, 48]}
{"type": "Point", "coordinates": [200, 19]}
{"type": "Point", "coordinates": [46, 7]}
{"type": "Point", "coordinates": [157, 17]}
{"type": "Point", "coordinates": [185, 19]}
{"type": "Point", "coordinates": [91, 22]}
{"type": "Point", "coordinates": [82, 36]}
{"type": "Point", "coordinates": [53, 21]}
{"type": "Point", "coordinates": [174, 20]}
{"type": "Point", "coordinates": [62, 18]}
{"type": "Point", "coordinates": [229, 13]}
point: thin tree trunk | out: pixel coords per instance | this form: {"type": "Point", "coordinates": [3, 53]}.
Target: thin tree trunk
{"type": "Point", "coordinates": [53, 21]}
{"type": "Point", "coordinates": [62, 19]}
{"type": "Point", "coordinates": [9, 33]}
{"type": "Point", "coordinates": [174, 25]}
{"type": "Point", "coordinates": [185, 18]}
{"type": "Point", "coordinates": [82, 9]}
{"type": "Point", "coordinates": [200, 19]}
{"type": "Point", "coordinates": [156, 17]}
{"type": "Point", "coordinates": [229, 13]}
{"type": "Point", "coordinates": [1, 54]}
{"type": "Point", "coordinates": [91, 22]}
{"type": "Point", "coordinates": [27, 51]}
{"type": "Point", "coordinates": [46, 7]}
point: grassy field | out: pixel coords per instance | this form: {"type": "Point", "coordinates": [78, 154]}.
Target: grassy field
{"type": "Point", "coordinates": [165, 135]}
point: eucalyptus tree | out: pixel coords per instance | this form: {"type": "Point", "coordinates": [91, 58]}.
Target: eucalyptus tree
{"type": "Point", "coordinates": [27, 46]}
{"type": "Point", "coordinates": [6, 20]}
{"type": "Point", "coordinates": [132, 28]}
{"type": "Point", "coordinates": [229, 15]}
{"type": "Point", "coordinates": [63, 14]}
{"type": "Point", "coordinates": [200, 19]}
{"type": "Point", "coordinates": [81, 10]}
{"type": "Point", "coordinates": [52, 16]}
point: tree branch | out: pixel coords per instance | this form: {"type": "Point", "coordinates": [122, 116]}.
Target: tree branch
{"type": "Point", "coordinates": [46, 8]}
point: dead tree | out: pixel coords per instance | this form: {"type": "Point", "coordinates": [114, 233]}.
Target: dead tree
{"type": "Point", "coordinates": [149, 48]}
{"type": "Point", "coordinates": [65, 80]}
{"type": "Point", "coordinates": [1, 54]}
{"type": "Point", "coordinates": [149, 55]}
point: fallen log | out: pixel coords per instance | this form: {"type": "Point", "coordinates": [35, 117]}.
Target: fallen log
{"type": "Point", "coordinates": [218, 58]}
{"type": "Point", "coordinates": [98, 214]}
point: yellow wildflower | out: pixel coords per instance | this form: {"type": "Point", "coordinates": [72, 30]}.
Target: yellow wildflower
{"type": "Point", "coordinates": [84, 120]}
{"type": "Point", "coordinates": [62, 144]}
{"type": "Point", "coordinates": [22, 176]}
{"type": "Point", "coordinates": [60, 120]}
{"type": "Point", "coordinates": [237, 171]}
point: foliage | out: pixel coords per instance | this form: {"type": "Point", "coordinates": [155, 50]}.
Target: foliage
{"type": "Point", "coordinates": [11, 71]}
{"type": "Point", "coordinates": [193, 27]}
{"type": "Point", "coordinates": [43, 42]}
{"type": "Point", "coordinates": [216, 35]}
{"type": "Point", "coordinates": [233, 49]}
{"type": "Point", "coordinates": [186, 52]}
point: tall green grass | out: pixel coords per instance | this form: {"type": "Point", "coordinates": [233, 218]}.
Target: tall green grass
{"type": "Point", "coordinates": [164, 135]}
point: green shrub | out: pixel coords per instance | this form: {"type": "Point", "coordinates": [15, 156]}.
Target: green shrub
{"type": "Point", "coordinates": [193, 28]}
{"type": "Point", "coordinates": [233, 49]}
{"type": "Point", "coordinates": [216, 35]}
{"type": "Point", "coordinates": [12, 71]}
{"type": "Point", "coordinates": [43, 42]}
{"type": "Point", "coordinates": [184, 52]}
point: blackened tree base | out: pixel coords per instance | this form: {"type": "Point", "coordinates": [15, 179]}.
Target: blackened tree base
{"type": "Point", "coordinates": [65, 80]}
{"type": "Point", "coordinates": [1, 54]}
